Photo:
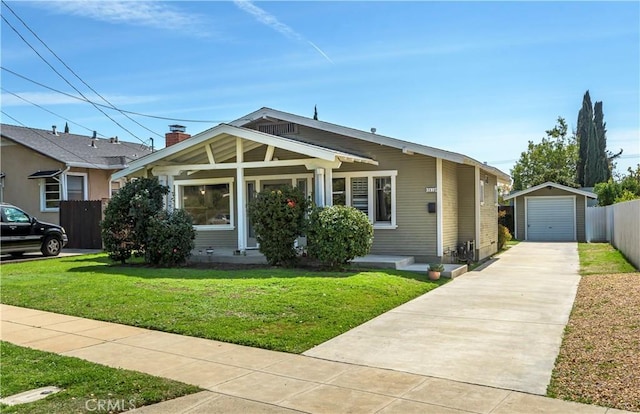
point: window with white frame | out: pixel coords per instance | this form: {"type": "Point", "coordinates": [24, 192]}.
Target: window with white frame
{"type": "Point", "coordinates": [210, 204]}
{"type": "Point", "coordinates": [373, 193]}
{"type": "Point", "coordinates": [50, 194]}
{"type": "Point", "coordinates": [481, 192]}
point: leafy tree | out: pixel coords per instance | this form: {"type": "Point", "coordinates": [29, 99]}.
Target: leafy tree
{"type": "Point", "coordinates": [625, 189]}
{"type": "Point", "coordinates": [127, 216]}
{"type": "Point", "coordinates": [553, 159]}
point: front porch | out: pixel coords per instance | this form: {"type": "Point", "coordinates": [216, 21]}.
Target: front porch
{"type": "Point", "coordinates": [370, 261]}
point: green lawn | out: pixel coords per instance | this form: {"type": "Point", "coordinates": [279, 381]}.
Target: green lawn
{"type": "Point", "coordinates": [602, 258]}
{"type": "Point", "coordinates": [288, 310]}
{"type": "Point", "coordinates": [84, 383]}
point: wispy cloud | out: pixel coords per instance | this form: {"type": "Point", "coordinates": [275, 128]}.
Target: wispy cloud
{"type": "Point", "coordinates": [271, 21]}
{"type": "Point", "coordinates": [136, 13]}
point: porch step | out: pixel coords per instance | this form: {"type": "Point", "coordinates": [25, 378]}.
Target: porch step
{"type": "Point", "coordinates": [383, 262]}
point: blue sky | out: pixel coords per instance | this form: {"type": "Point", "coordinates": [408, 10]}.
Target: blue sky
{"type": "Point", "coordinates": [479, 78]}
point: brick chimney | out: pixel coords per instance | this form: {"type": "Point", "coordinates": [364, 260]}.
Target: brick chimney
{"type": "Point", "coordinates": [176, 134]}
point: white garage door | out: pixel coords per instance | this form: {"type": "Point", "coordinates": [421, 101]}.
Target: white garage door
{"type": "Point", "coordinates": [551, 219]}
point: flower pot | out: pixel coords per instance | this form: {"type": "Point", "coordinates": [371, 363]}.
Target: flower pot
{"type": "Point", "coordinates": [433, 275]}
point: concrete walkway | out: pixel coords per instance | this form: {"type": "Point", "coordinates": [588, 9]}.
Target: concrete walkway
{"type": "Point", "coordinates": [240, 379]}
{"type": "Point", "coordinates": [500, 326]}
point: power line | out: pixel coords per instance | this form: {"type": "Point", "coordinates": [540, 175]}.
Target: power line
{"type": "Point", "coordinates": [47, 139]}
{"type": "Point", "coordinates": [72, 71]}
{"type": "Point", "coordinates": [69, 83]}
{"type": "Point", "coordinates": [105, 106]}
{"type": "Point", "coordinates": [45, 109]}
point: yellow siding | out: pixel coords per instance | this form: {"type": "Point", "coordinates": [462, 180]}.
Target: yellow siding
{"type": "Point", "coordinates": [466, 203]}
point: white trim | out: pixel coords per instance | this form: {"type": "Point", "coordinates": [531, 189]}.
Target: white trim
{"type": "Point", "coordinates": [85, 184]}
{"type": "Point", "coordinates": [515, 219]}
{"type": "Point", "coordinates": [240, 194]}
{"type": "Point", "coordinates": [526, 213]}
{"type": "Point", "coordinates": [439, 209]}
{"type": "Point", "coordinates": [477, 207]}
{"type": "Point", "coordinates": [204, 181]}
{"type": "Point", "coordinates": [554, 185]}
{"type": "Point", "coordinates": [370, 175]}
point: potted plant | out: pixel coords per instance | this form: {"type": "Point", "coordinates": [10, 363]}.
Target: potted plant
{"type": "Point", "coordinates": [434, 270]}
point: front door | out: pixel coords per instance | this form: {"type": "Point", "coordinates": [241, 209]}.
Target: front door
{"type": "Point", "coordinates": [265, 185]}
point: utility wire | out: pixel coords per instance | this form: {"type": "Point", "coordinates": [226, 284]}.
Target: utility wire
{"type": "Point", "coordinates": [51, 112]}
{"type": "Point", "coordinates": [105, 106]}
{"type": "Point", "coordinates": [69, 83]}
{"type": "Point", "coordinates": [73, 72]}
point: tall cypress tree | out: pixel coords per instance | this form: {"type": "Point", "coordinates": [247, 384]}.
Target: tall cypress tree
{"type": "Point", "coordinates": [603, 170]}
{"type": "Point", "coordinates": [591, 162]}
{"type": "Point", "coordinates": [585, 120]}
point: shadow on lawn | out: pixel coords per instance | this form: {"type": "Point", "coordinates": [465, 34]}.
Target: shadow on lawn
{"type": "Point", "coordinates": [103, 265]}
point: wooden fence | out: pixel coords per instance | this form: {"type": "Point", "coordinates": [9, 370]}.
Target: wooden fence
{"type": "Point", "coordinates": [81, 220]}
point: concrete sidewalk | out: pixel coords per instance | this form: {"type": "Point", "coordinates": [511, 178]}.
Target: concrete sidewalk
{"type": "Point", "coordinates": [500, 326]}
{"type": "Point", "coordinates": [242, 379]}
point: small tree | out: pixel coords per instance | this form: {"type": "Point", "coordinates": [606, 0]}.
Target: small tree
{"type": "Point", "coordinates": [504, 235]}
{"type": "Point", "coordinates": [338, 234]}
{"type": "Point", "coordinates": [170, 238]}
{"type": "Point", "coordinates": [626, 189]}
{"type": "Point", "coordinates": [126, 217]}
{"type": "Point", "coordinates": [278, 218]}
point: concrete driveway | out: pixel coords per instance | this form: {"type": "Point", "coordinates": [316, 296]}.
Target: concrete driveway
{"type": "Point", "coordinates": [500, 326]}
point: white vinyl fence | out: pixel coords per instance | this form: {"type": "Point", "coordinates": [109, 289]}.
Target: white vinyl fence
{"type": "Point", "coordinates": [618, 224]}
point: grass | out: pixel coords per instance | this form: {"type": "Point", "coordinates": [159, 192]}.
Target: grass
{"type": "Point", "coordinates": [83, 383]}
{"type": "Point", "coordinates": [288, 310]}
{"type": "Point", "coordinates": [602, 258]}
{"type": "Point", "coordinates": [599, 359]}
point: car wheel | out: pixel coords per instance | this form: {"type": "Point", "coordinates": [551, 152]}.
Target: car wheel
{"type": "Point", "coordinates": [51, 246]}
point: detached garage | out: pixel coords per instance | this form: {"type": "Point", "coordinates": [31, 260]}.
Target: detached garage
{"type": "Point", "coordinates": [550, 212]}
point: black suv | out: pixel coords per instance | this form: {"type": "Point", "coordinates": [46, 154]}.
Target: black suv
{"type": "Point", "coordinates": [22, 233]}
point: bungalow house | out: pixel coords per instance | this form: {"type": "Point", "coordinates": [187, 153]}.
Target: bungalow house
{"type": "Point", "coordinates": [422, 201]}
{"type": "Point", "coordinates": [40, 168]}
{"type": "Point", "coordinates": [551, 212]}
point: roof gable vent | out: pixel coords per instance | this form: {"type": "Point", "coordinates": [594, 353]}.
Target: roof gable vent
{"type": "Point", "coordinates": [282, 128]}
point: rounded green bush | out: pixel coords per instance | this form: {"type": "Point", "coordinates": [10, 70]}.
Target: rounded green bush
{"type": "Point", "coordinates": [171, 238]}
{"type": "Point", "coordinates": [338, 234]}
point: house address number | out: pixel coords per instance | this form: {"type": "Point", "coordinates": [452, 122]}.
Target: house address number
{"type": "Point", "coordinates": [431, 189]}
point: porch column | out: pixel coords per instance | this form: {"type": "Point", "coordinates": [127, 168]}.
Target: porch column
{"type": "Point", "coordinates": [242, 246]}
{"type": "Point", "coordinates": [319, 187]}
{"type": "Point", "coordinates": [328, 187]}
{"type": "Point", "coordinates": [171, 196]}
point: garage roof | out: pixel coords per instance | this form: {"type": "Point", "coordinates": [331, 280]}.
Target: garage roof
{"type": "Point", "coordinates": [554, 185]}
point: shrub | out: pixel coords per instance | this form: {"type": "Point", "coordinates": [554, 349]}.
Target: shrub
{"type": "Point", "coordinates": [278, 218]}
{"type": "Point", "coordinates": [126, 217]}
{"type": "Point", "coordinates": [503, 231]}
{"type": "Point", "coordinates": [171, 236]}
{"type": "Point", "coordinates": [338, 234]}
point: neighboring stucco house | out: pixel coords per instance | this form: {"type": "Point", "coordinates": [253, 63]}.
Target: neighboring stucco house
{"type": "Point", "coordinates": [422, 201]}
{"type": "Point", "coordinates": [42, 167]}
{"type": "Point", "coordinates": [550, 212]}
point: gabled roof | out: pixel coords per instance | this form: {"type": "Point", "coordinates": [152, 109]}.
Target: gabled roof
{"type": "Point", "coordinates": [228, 131]}
{"type": "Point", "coordinates": [265, 113]}
{"type": "Point", "coordinates": [76, 150]}
{"type": "Point", "coordinates": [554, 185]}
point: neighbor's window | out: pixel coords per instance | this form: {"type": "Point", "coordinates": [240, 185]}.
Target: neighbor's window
{"type": "Point", "coordinates": [50, 194]}
{"type": "Point", "coordinates": [481, 193]}
{"type": "Point", "coordinates": [208, 204]}
{"type": "Point", "coordinates": [76, 187]}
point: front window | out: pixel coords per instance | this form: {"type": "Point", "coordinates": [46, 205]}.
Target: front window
{"type": "Point", "coordinates": [372, 193]}
{"type": "Point", "coordinates": [14, 215]}
{"type": "Point", "coordinates": [383, 199]}
{"type": "Point", "coordinates": [208, 204]}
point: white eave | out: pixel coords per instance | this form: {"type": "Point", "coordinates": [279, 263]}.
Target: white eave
{"type": "Point", "coordinates": [553, 185]}
{"type": "Point", "coordinates": [202, 138]}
